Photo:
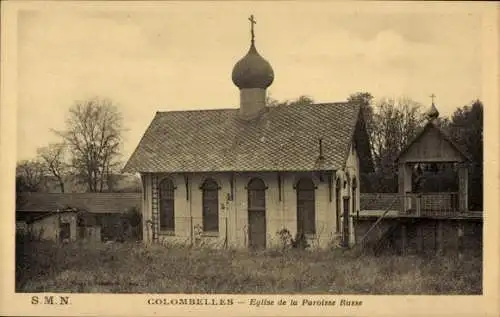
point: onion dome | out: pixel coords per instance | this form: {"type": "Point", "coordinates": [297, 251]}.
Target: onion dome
{"type": "Point", "coordinates": [433, 113]}
{"type": "Point", "coordinates": [252, 71]}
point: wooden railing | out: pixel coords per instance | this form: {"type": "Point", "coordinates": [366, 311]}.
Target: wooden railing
{"type": "Point", "coordinates": [381, 201]}
{"type": "Point", "coordinates": [435, 204]}
{"type": "Point", "coordinates": [416, 204]}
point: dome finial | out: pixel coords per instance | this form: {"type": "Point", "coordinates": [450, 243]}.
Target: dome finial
{"type": "Point", "coordinates": [252, 71]}
{"type": "Point", "coordinates": [432, 98]}
{"type": "Point", "coordinates": [252, 23]}
{"type": "Point", "coordinates": [433, 113]}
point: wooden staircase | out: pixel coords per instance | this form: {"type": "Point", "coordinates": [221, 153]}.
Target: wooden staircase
{"type": "Point", "coordinates": [381, 234]}
{"type": "Point", "coordinates": [385, 237]}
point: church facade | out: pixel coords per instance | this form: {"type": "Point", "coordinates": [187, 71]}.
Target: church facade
{"type": "Point", "coordinates": [242, 177]}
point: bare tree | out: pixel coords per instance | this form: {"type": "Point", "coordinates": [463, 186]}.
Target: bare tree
{"type": "Point", "coordinates": [54, 158]}
{"type": "Point", "coordinates": [93, 135]}
{"type": "Point", "coordinates": [29, 176]}
{"type": "Point", "coordinates": [395, 124]}
{"type": "Point", "coordinates": [391, 124]}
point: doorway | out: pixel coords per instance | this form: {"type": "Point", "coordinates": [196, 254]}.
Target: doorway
{"type": "Point", "coordinates": [257, 229]}
{"type": "Point", "coordinates": [256, 214]}
{"type": "Point", "coordinates": [64, 232]}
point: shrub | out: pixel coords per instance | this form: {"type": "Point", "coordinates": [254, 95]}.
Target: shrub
{"type": "Point", "coordinates": [198, 235]}
{"type": "Point", "coordinates": [285, 237]}
{"type": "Point", "coordinates": [300, 241]}
{"type": "Point", "coordinates": [134, 218]}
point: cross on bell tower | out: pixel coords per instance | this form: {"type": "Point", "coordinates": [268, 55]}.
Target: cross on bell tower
{"type": "Point", "coordinates": [432, 98]}
{"type": "Point", "coordinates": [433, 113]}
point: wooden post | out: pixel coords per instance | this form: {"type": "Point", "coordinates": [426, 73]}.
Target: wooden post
{"type": "Point", "coordinates": [420, 237]}
{"type": "Point", "coordinates": [146, 208]}
{"type": "Point", "coordinates": [408, 203]}
{"type": "Point", "coordinates": [462, 188]}
{"type": "Point", "coordinates": [403, 239]}
{"type": "Point", "coordinates": [460, 234]}
{"type": "Point", "coordinates": [404, 183]}
{"type": "Point", "coordinates": [418, 198]}
{"type": "Point", "coordinates": [401, 178]}
{"type": "Point", "coordinates": [225, 237]}
{"type": "Point", "coordinates": [439, 237]}
{"type": "Point", "coordinates": [191, 229]}
{"type": "Point", "coordinates": [345, 226]}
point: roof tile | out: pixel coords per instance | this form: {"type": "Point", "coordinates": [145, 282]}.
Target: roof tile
{"type": "Point", "coordinates": [282, 138]}
{"type": "Point", "coordinates": [91, 202]}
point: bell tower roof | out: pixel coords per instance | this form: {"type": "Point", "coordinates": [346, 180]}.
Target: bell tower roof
{"type": "Point", "coordinates": [433, 113]}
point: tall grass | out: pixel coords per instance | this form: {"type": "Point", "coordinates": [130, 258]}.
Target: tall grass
{"type": "Point", "coordinates": [134, 268]}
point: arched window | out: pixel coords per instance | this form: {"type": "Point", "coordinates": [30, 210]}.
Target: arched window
{"type": "Point", "coordinates": [256, 195]}
{"type": "Point", "coordinates": [306, 213]}
{"type": "Point", "coordinates": [167, 210]}
{"type": "Point", "coordinates": [338, 204]}
{"type": "Point", "coordinates": [210, 205]}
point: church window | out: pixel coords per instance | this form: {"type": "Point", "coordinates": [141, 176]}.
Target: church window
{"type": "Point", "coordinates": [210, 193]}
{"type": "Point", "coordinates": [306, 213]}
{"type": "Point", "coordinates": [256, 195]}
{"type": "Point", "coordinates": [167, 209]}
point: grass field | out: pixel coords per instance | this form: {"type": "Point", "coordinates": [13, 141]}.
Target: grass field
{"type": "Point", "coordinates": [134, 268]}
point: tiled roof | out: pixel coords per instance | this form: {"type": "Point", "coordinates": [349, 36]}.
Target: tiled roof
{"type": "Point", "coordinates": [91, 202]}
{"type": "Point", "coordinates": [282, 138]}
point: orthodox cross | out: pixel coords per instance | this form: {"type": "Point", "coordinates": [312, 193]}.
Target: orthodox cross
{"type": "Point", "coordinates": [432, 97]}
{"type": "Point", "coordinates": [252, 22]}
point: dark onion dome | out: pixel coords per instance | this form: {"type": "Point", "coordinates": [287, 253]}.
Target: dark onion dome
{"type": "Point", "coordinates": [253, 71]}
{"type": "Point", "coordinates": [433, 113]}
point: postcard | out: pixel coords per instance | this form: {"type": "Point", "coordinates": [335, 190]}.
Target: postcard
{"type": "Point", "coordinates": [280, 158]}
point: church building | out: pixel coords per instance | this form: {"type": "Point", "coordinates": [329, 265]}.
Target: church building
{"type": "Point", "coordinates": [236, 177]}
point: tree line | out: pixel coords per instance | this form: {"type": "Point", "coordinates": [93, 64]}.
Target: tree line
{"type": "Point", "coordinates": [393, 123]}
{"type": "Point", "coordinates": [88, 150]}
{"type": "Point", "coordinates": [89, 146]}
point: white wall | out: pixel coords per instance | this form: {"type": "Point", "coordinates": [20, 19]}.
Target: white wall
{"type": "Point", "coordinates": [47, 228]}
{"type": "Point", "coordinates": [233, 212]}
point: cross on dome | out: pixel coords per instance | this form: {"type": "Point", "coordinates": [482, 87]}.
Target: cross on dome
{"type": "Point", "coordinates": [432, 98]}
{"type": "Point", "coordinates": [252, 71]}
{"type": "Point", "coordinates": [252, 23]}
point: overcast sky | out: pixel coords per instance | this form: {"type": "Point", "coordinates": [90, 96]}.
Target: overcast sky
{"type": "Point", "coordinates": [173, 56]}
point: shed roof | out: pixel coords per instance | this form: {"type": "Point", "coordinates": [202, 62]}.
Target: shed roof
{"type": "Point", "coordinates": [90, 202]}
{"type": "Point", "coordinates": [34, 217]}
{"type": "Point", "coordinates": [284, 138]}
